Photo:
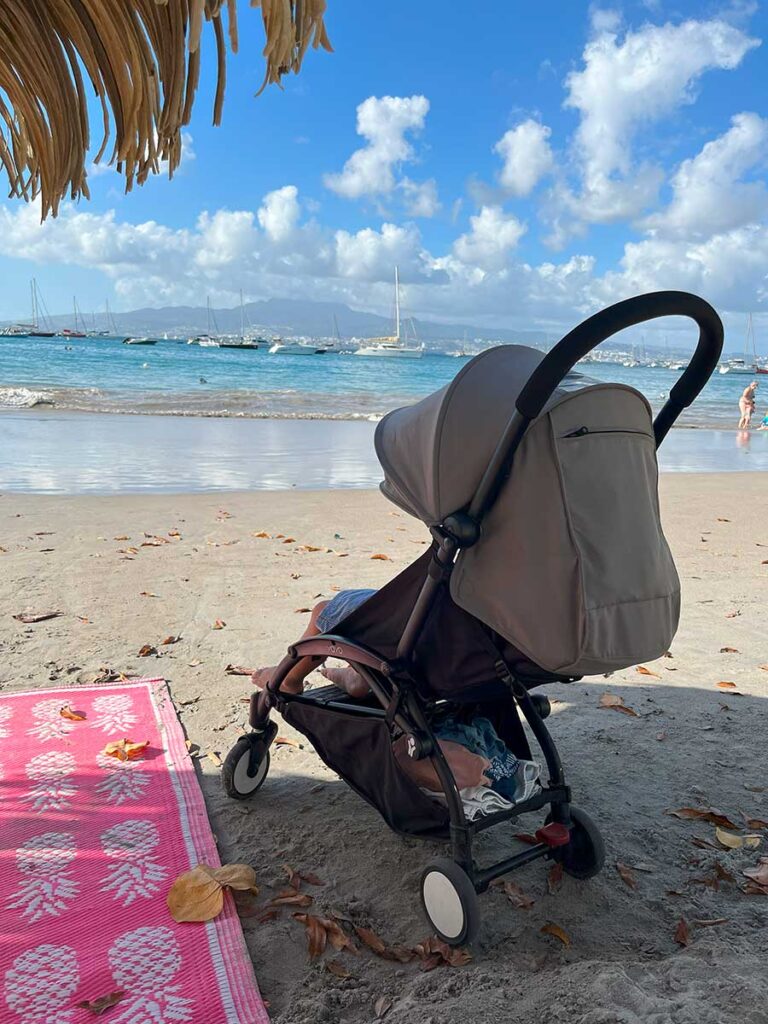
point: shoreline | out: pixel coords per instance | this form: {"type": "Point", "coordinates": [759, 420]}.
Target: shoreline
{"type": "Point", "coordinates": [54, 452]}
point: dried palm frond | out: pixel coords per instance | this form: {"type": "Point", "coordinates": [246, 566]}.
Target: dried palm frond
{"type": "Point", "coordinates": [142, 58]}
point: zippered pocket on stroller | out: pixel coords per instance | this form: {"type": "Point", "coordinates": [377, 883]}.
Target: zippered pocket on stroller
{"type": "Point", "coordinates": [584, 431]}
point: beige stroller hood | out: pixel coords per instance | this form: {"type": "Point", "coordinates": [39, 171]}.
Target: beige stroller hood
{"type": "Point", "coordinates": [572, 566]}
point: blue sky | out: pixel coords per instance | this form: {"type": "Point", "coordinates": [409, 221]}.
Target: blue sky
{"type": "Point", "coordinates": [534, 162]}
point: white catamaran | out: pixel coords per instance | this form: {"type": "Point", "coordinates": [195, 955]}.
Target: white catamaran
{"type": "Point", "coordinates": [396, 345]}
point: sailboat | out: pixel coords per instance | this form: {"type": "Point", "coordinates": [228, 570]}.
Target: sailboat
{"type": "Point", "coordinates": [37, 330]}
{"type": "Point", "coordinates": [75, 331]}
{"type": "Point", "coordinates": [244, 341]}
{"type": "Point", "coordinates": [741, 366]}
{"type": "Point", "coordinates": [207, 340]}
{"type": "Point", "coordinates": [395, 345]}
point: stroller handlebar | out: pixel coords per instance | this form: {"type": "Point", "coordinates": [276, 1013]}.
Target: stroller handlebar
{"type": "Point", "coordinates": [560, 360]}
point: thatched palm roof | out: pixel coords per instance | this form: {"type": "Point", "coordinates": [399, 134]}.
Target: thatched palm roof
{"type": "Point", "coordinates": [142, 59]}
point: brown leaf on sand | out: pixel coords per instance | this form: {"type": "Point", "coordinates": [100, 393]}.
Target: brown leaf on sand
{"type": "Point", "coordinates": [287, 741]}
{"type": "Point", "coordinates": [147, 593]}
{"type": "Point", "coordinates": [218, 624]}
{"type": "Point", "coordinates": [434, 952]}
{"type": "Point", "coordinates": [214, 758]}
{"type": "Point", "coordinates": [128, 551]}
{"type": "Point", "coordinates": [554, 878]}
{"type": "Point", "coordinates": [763, 667]}
{"type": "Point", "coordinates": [616, 703]}
{"type": "Point", "coordinates": [758, 875]}
{"type": "Point", "coordinates": [122, 536]}
{"type": "Point", "coordinates": [170, 640]}
{"type": "Point", "coordinates": [647, 672]}
{"type": "Point", "coordinates": [239, 670]}
{"type": "Point", "coordinates": [28, 617]}
{"type": "Point", "coordinates": [527, 838]}
{"type": "Point", "coordinates": [317, 936]}
{"type": "Point", "coordinates": [262, 534]}
{"type": "Point", "coordinates": [726, 684]}
{"type": "Point", "coordinates": [125, 750]}
{"type": "Point", "coordinates": [291, 898]}
{"type": "Point", "coordinates": [682, 934]}
{"type": "Point", "coordinates": [721, 519]}
{"type": "Point", "coordinates": [147, 650]}
{"type": "Point", "coordinates": [380, 558]}
{"type": "Point", "coordinates": [302, 611]}
{"type": "Point", "coordinates": [625, 873]}
{"type": "Point", "coordinates": [72, 716]}
{"type": "Point", "coordinates": [371, 939]}
{"type": "Point", "coordinates": [722, 874]}
{"type": "Point", "coordinates": [729, 650]}
{"type": "Point", "coordinates": [556, 932]}
{"type": "Point", "coordinates": [733, 615]}
{"type": "Point", "coordinates": [98, 1006]}
{"type": "Point", "coordinates": [155, 542]}
{"type": "Point", "coordinates": [382, 1006]}
{"type": "Point", "coordinates": [337, 969]}
{"type": "Point", "coordinates": [754, 823]}
{"type": "Point", "coordinates": [295, 878]}
{"type": "Point", "coordinates": [734, 842]}
{"type": "Point", "coordinates": [516, 896]}
{"type": "Point", "coordinates": [703, 814]}
{"type": "Point", "coordinates": [710, 922]}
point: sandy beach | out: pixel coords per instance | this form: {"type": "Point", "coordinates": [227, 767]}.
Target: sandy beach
{"type": "Point", "coordinates": [692, 744]}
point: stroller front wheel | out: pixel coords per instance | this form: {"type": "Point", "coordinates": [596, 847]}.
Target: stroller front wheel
{"type": "Point", "coordinates": [245, 767]}
{"type": "Point", "coordinates": [584, 856]}
{"type": "Point", "coordinates": [450, 902]}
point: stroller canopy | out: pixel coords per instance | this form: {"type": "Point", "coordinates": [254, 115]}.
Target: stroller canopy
{"type": "Point", "coordinates": [571, 567]}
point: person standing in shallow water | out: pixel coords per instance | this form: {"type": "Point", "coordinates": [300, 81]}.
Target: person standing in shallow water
{"type": "Point", "coordinates": [747, 405]}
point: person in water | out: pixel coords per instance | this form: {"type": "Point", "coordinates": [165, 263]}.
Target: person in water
{"type": "Point", "coordinates": [747, 405]}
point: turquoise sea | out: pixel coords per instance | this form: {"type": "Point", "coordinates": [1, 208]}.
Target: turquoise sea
{"type": "Point", "coordinates": [172, 378]}
{"type": "Point", "coordinates": [97, 416]}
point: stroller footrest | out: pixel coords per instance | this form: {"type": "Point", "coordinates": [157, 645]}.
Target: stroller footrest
{"type": "Point", "coordinates": [554, 834]}
{"type": "Point", "coordinates": [328, 695]}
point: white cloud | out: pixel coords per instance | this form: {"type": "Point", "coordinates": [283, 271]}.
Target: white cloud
{"type": "Point", "coordinates": [491, 237]}
{"type": "Point", "coordinates": [527, 156]}
{"type": "Point", "coordinates": [630, 83]}
{"type": "Point", "coordinates": [709, 195]}
{"type": "Point", "coordinates": [383, 122]}
{"type": "Point", "coordinates": [279, 213]}
{"type": "Point", "coordinates": [420, 197]}
{"type": "Point", "coordinates": [371, 255]}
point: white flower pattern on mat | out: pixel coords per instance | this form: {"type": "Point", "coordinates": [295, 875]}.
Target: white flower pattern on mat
{"type": "Point", "coordinates": [48, 887]}
{"type": "Point", "coordinates": [5, 717]}
{"type": "Point", "coordinates": [40, 984]}
{"type": "Point", "coordinates": [53, 789]}
{"type": "Point", "coordinates": [49, 724]}
{"type": "Point", "coordinates": [144, 964]}
{"type": "Point", "coordinates": [124, 780]}
{"type": "Point", "coordinates": [114, 712]}
{"type": "Point", "coordinates": [135, 872]}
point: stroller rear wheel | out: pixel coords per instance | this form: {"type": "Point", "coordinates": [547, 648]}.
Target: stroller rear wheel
{"type": "Point", "coordinates": [450, 901]}
{"type": "Point", "coordinates": [245, 767]}
{"type": "Point", "coordinates": [584, 855]}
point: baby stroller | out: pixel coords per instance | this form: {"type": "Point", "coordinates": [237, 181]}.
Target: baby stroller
{"type": "Point", "coordinates": [548, 563]}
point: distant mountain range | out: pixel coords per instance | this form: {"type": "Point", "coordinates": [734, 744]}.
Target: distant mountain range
{"type": "Point", "coordinates": [288, 317]}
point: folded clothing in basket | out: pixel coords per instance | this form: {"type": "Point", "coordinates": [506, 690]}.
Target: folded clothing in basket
{"type": "Point", "coordinates": [511, 778]}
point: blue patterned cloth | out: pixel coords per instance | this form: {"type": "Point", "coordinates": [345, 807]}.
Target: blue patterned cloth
{"type": "Point", "coordinates": [340, 606]}
{"type": "Point", "coordinates": [481, 738]}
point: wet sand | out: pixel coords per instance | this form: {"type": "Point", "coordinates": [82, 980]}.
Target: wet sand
{"type": "Point", "coordinates": [692, 744]}
{"type": "Point", "coordinates": [46, 451]}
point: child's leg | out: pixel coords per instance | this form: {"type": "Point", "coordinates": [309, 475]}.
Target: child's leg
{"type": "Point", "coordinates": [294, 681]}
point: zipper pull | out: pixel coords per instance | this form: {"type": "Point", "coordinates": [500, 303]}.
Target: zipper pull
{"type": "Point", "coordinates": [580, 432]}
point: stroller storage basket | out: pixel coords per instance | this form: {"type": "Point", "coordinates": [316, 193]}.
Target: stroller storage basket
{"type": "Point", "coordinates": [359, 748]}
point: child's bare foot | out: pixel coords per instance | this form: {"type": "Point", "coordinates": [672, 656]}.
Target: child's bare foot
{"type": "Point", "coordinates": [262, 676]}
{"type": "Point", "coordinates": [347, 679]}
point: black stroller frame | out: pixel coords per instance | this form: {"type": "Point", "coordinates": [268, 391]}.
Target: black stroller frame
{"type": "Point", "coordinates": [568, 836]}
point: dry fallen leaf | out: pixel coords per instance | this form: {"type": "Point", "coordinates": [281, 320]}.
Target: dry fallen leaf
{"type": "Point", "coordinates": [754, 823]}
{"type": "Point", "coordinates": [556, 932]}
{"type": "Point", "coordinates": [286, 741]}
{"type": "Point", "coordinates": [711, 922]}
{"type": "Point", "coordinates": [701, 814]}
{"type": "Point", "coordinates": [726, 684]}
{"type": "Point", "coordinates": [122, 536]}
{"type": "Point", "coordinates": [516, 896]}
{"type": "Point", "coordinates": [72, 716]}
{"type": "Point", "coordinates": [295, 878]}
{"type": "Point", "coordinates": [147, 650]}
{"type": "Point", "coordinates": [625, 873]}
{"type": "Point", "coordinates": [380, 558]}
{"type": "Point", "coordinates": [125, 749]}
{"type": "Point", "coordinates": [734, 842]}
{"type": "Point", "coordinates": [28, 617]}
{"type": "Point", "coordinates": [291, 898]}
{"type": "Point", "coordinates": [728, 650]}
{"type": "Point", "coordinates": [262, 533]}
{"type": "Point", "coordinates": [302, 611]}
{"type": "Point", "coordinates": [555, 877]}
{"type": "Point", "coordinates": [382, 1006]}
{"type": "Point", "coordinates": [147, 593]}
{"type": "Point", "coordinates": [646, 672]}
{"type": "Point", "coordinates": [682, 935]}
{"type": "Point", "coordinates": [170, 640]}
{"type": "Point", "coordinates": [218, 624]}
{"type": "Point", "coordinates": [338, 969]}
{"type": "Point", "coordinates": [239, 670]}
{"type": "Point", "coordinates": [102, 1003]}
{"type": "Point", "coordinates": [616, 703]}
{"type": "Point", "coordinates": [198, 895]}
{"type": "Point", "coordinates": [214, 758]}
{"type": "Point", "coordinates": [433, 952]}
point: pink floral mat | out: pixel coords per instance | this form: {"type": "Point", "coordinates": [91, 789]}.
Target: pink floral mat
{"type": "Point", "coordinates": [89, 847]}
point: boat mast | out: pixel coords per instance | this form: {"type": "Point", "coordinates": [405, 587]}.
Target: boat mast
{"type": "Point", "coordinates": [397, 304]}
{"type": "Point", "coordinates": [751, 337]}
{"type": "Point", "coordinates": [242, 316]}
{"type": "Point", "coordinates": [34, 303]}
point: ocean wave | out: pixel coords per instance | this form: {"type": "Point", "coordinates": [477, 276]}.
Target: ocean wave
{"type": "Point", "coordinates": [23, 398]}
